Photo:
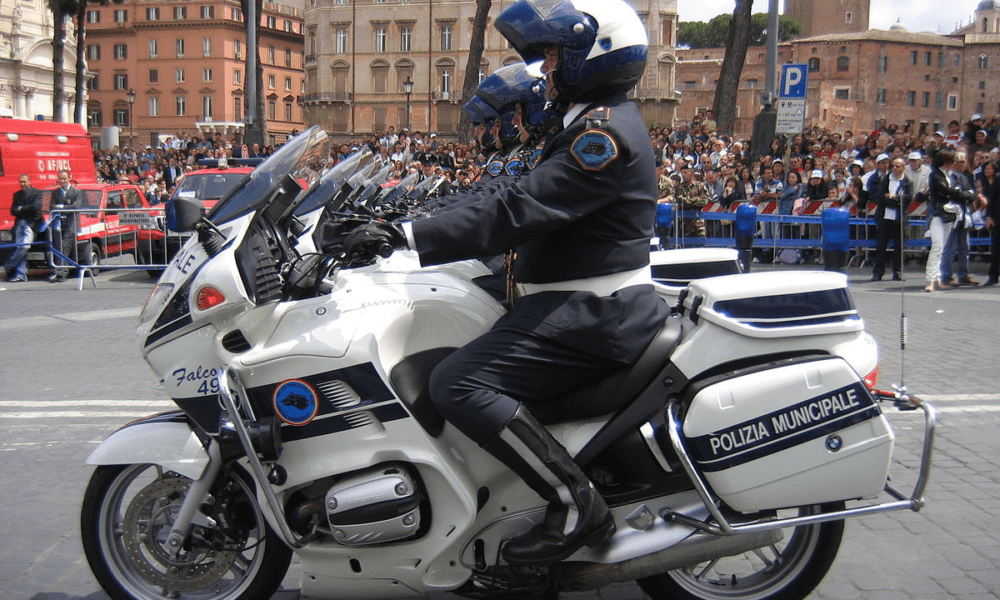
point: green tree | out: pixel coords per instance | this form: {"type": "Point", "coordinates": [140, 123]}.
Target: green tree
{"type": "Point", "coordinates": [715, 33]}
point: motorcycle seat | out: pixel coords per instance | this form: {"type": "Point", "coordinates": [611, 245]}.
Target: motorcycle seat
{"type": "Point", "coordinates": [610, 393]}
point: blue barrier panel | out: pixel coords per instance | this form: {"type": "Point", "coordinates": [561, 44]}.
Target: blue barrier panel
{"type": "Point", "coordinates": [836, 230]}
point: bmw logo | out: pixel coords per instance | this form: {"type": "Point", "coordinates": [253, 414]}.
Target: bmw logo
{"type": "Point", "coordinates": [834, 442]}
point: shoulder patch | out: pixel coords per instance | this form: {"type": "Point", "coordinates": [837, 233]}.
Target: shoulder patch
{"type": "Point", "coordinates": [515, 166]}
{"type": "Point", "coordinates": [495, 168]}
{"type": "Point", "coordinates": [594, 149]}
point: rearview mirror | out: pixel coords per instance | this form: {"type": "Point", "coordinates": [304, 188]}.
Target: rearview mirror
{"type": "Point", "coordinates": [184, 213]}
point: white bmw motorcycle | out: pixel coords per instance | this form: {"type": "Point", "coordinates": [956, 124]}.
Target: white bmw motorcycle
{"type": "Point", "coordinates": [730, 454]}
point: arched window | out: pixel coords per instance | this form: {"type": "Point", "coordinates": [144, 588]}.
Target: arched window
{"type": "Point", "coordinates": [341, 70]}
{"type": "Point", "coordinates": [982, 61]}
{"type": "Point", "coordinates": [446, 78]}
{"type": "Point", "coordinates": [404, 70]}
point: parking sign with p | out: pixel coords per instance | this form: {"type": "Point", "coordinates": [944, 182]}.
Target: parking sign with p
{"type": "Point", "coordinates": [793, 81]}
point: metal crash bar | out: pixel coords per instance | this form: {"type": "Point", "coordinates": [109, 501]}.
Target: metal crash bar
{"type": "Point", "coordinates": [914, 502]}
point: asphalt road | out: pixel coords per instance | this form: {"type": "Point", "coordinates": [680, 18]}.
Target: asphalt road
{"type": "Point", "coordinates": [70, 374]}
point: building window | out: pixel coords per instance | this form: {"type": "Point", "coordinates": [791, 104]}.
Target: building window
{"type": "Point", "coordinates": [237, 76]}
{"type": "Point", "coordinates": [238, 49]}
{"type": "Point", "coordinates": [925, 99]}
{"type": "Point", "coordinates": [380, 40]}
{"type": "Point", "coordinates": [288, 26]}
{"type": "Point", "coordinates": [181, 106]}
{"type": "Point", "coordinates": [206, 47]}
{"type": "Point", "coordinates": [288, 58]}
{"type": "Point", "coordinates": [207, 12]}
{"type": "Point", "coordinates": [271, 54]}
{"type": "Point", "coordinates": [94, 117]}
{"type": "Point", "coordinates": [445, 83]}
{"type": "Point", "coordinates": [953, 102]}
{"type": "Point", "coordinates": [154, 48]}
{"type": "Point", "coordinates": [405, 33]}
{"type": "Point", "coordinates": [911, 98]}
{"type": "Point", "coordinates": [380, 76]}
{"type": "Point", "coordinates": [982, 61]}
{"type": "Point", "coordinates": [956, 60]}
{"type": "Point", "coordinates": [288, 84]}
{"type": "Point", "coordinates": [446, 38]}
{"type": "Point", "coordinates": [206, 107]}
{"type": "Point", "coordinates": [941, 59]}
{"type": "Point", "coordinates": [271, 110]}
{"type": "Point", "coordinates": [92, 83]}
{"type": "Point", "coordinates": [913, 57]}
{"type": "Point", "coordinates": [154, 106]}
{"type": "Point", "coordinates": [843, 93]}
{"type": "Point", "coordinates": [843, 63]}
{"type": "Point", "coordinates": [752, 83]}
{"type": "Point", "coordinates": [341, 41]}
{"type": "Point", "coordinates": [880, 96]}
{"type": "Point", "coordinates": [121, 15]}
{"type": "Point", "coordinates": [982, 85]}
{"type": "Point", "coordinates": [927, 59]}
{"type": "Point", "coordinates": [272, 22]}
{"type": "Point", "coordinates": [849, 17]}
{"type": "Point", "coordinates": [180, 13]}
{"type": "Point", "coordinates": [180, 75]}
{"type": "Point", "coordinates": [93, 52]}
{"type": "Point", "coordinates": [288, 111]}
{"type": "Point", "coordinates": [153, 13]}
{"type": "Point", "coordinates": [238, 109]}
{"type": "Point", "coordinates": [883, 64]}
{"type": "Point", "coordinates": [154, 76]}
{"type": "Point", "coordinates": [939, 100]}
{"type": "Point", "coordinates": [179, 48]}
{"type": "Point", "coordinates": [121, 81]}
{"type": "Point", "coordinates": [206, 75]}
{"type": "Point", "coordinates": [270, 82]}
{"type": "Point", "coordinates": [813, 65]}
{"type": "Point", "coordinates": [121, 51]}
{"type": "Point", "coordinates": [121, 117]}
{"type": "Point", "coordinates": [93, 16]}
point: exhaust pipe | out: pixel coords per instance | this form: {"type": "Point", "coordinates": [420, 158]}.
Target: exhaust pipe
{"type": "Point", "coordinates": [698, 548]}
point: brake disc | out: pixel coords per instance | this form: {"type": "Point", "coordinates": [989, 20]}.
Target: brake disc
{"type": "Point", "coordinates": [145, 530]}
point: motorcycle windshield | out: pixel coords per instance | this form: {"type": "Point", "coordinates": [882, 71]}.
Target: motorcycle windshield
{"type": "Point", "coordinates": [303, 157]}
{"type": "Point", "coordinates": [333, 180]}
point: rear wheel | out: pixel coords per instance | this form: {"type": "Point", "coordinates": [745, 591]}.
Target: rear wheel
{"type": "Point", "coordinates": [128, 511]}
{"type": "Point", "coordinates": [789, 570]}
{"type": "Point", "coordinates": [90, 256]}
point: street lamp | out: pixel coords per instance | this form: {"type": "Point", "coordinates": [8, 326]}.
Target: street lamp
{"type": "Point", "coordinates": [408, 89]}
{"type": "Point", "coordinates": [130, 96]}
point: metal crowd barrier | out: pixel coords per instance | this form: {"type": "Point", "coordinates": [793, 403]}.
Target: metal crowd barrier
{"type": "Point", "coordinates": [138, 233]}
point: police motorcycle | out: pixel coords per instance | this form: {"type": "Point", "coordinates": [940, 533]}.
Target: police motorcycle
{"type": "Point", "coordinates": [730, 454]}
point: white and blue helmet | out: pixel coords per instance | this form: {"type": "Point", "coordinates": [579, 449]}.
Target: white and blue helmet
{"type": "Point", "coordinates": [603, 43]}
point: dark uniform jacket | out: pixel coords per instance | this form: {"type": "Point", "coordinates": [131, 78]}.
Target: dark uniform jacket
{"type": "Point", "coordinates": [27, 206]}
{"type": "Point", "coordinates": [586, 210]}
{"type": "Point", "coordinates": [71, 198]}
{"type": "Point", "coordinates": [878, 192]}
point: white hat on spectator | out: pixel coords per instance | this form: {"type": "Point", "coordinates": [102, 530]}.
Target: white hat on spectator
{"type": "Point", "coordinates": [816, 174]}
{"type": "Point", "coordinates": [859, 162]}
{"type": "Point", "coordinates": [881, 157]}
{"type": "Point", "coordinates": [976, 117]}
{"type": "Point", "coordinates": [939, 132]}
{"type": "Point", "coordinates": [915, 156]}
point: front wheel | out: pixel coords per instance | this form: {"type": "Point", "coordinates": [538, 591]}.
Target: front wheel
{"type": "Point", "coordinates": [128, 511]}
{"type": "Point", "coordinates": [789, 570]}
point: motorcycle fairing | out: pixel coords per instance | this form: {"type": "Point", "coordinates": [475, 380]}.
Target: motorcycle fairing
{"type": "Point", "coordinates": [167, 440]}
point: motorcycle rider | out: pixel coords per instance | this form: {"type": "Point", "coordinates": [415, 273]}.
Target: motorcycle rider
{"type": "Point", "coordinates": [580, 223]}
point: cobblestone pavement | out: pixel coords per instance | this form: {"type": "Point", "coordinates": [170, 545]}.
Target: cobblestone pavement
{"type": "Point", "coordinates": [951, 549]}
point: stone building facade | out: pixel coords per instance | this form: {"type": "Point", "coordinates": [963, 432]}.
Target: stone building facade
{"type": "Point", "coordinates": [26, 29]}
{"type": "Point", "coordinates": [359, 53]}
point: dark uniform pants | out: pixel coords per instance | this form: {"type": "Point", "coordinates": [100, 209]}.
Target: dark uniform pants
{"type": "Point", "coordinates": [480, 386]}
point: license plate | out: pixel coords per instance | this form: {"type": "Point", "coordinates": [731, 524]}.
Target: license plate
{"type": "Point", "coordinates": [36, 256]}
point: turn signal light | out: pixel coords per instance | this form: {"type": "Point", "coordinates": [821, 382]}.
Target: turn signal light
{"type": "Point", "coordinates": [208, 297]}
{"type": "Point", "coordinates": [871, 379]}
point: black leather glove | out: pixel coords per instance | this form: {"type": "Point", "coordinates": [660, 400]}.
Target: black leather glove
{"type": "Point", "coordinates": [377, 238]}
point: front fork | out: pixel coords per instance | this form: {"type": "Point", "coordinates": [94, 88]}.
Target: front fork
{"type": "Point", "coordinates": [198, 494]}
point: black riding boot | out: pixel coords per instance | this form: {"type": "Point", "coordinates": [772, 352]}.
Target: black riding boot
{"type": "Point", "coordinates": [576, 515]}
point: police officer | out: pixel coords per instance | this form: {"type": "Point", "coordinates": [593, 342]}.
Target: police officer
{"type": "Point", "coordinates": [580, 222]}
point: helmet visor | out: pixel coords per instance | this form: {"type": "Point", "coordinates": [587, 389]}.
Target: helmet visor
{"type": "Point", "coordinates": [531, 25]}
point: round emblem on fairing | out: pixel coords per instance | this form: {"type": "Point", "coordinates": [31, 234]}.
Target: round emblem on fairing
{"type": "Point", "coordinates": [834, 442]}
{"type": "Point", "coordinates": [594, 149]}
{"type": "Point", "coordinates": [295, 402]}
